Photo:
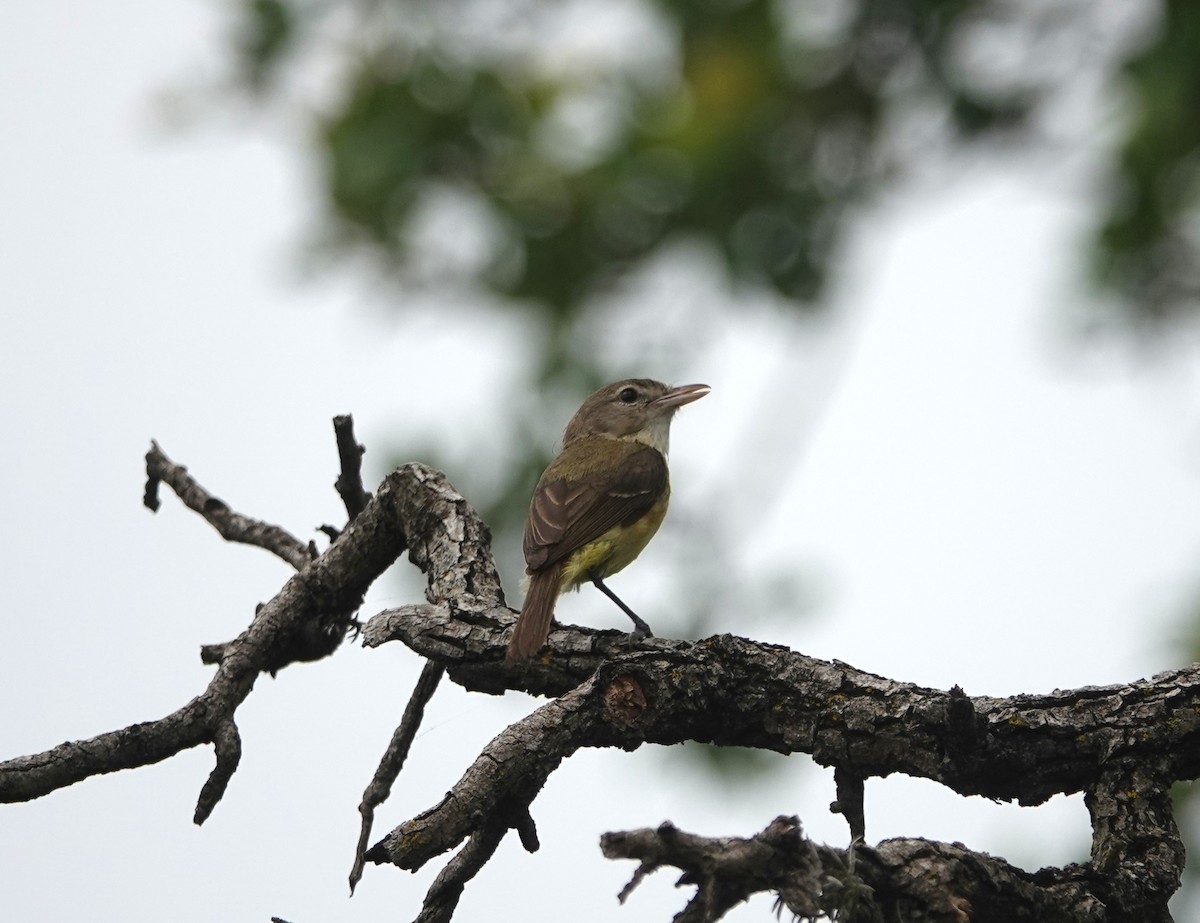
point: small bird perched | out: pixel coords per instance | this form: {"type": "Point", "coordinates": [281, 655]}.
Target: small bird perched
{"type": "Point", "coordinates": [599, 502]}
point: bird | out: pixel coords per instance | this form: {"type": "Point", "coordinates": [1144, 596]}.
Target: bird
{"type": "Point", "coordinates": [599, 502]}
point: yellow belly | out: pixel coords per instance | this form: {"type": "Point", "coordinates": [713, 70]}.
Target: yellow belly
{"type": "Point", "coordinates": [615, 549]}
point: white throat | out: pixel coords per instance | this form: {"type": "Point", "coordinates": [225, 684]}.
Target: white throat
{"type": "Point", "coordinates": [658, 434]}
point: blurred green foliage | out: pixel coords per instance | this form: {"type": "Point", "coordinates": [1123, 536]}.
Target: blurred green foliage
{"type": "Point", "coordinates": [262, 40]}
{"type": "Point", "coordinates": [1148, 245]}
{"type": "Point", "coordinates": [754, 126]}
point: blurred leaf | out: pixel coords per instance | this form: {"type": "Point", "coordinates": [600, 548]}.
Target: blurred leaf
{"type": "Point", "coordinates": [1148, 247]}
{"type": "Point", "coordinates": [758, 128]}
{"type": "Point", "coordinates": [263, 39]}
{"type": "Point", "coordinates": [760, 136]}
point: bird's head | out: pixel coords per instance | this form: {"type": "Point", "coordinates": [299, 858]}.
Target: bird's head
{"type": "Point", "coordinates": [639, 409]}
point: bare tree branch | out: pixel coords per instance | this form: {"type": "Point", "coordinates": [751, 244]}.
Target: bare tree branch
{"type": "Point", "coordinates": [1121, 745]}
{"type": "Point", "coordinates": [737, 692]}
{"type": "Point", "coordinates": [455, 555]}
{"type": "Point", "coordinates": [233, 527]}
{"type": "Point", "coordinates": [393, 760]}
{"type": "Point", "coordinates": [727, 871]}
{"type": "Point", "coordinates": [349, 484]}
{"type": "Point", "coordinates": [502, 782]}
{"type": "Point", "coordinates": [912, 880]}
{"type": "Point", "coordinates": [443, 895]}
{"type": "Point", "coordinates": [849, 803]}
{"type": "Point", "coordinates": [1137, 853]}
{"type": "Point", "coordinates": [466, 644]}
{"type": "Point", "coordinates": [227, 747]}
{"type": "Point", "coordinates": [313, 606]}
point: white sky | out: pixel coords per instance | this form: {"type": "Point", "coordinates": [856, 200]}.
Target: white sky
{"type": "Point", "coordinates": [983, 499]}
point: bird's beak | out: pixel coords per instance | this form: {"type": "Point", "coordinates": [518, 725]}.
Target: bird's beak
{"type": "Point", "coordinates": [680, 395]}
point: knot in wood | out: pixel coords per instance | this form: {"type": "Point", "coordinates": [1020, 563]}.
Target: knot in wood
{"type": "Point", "coordinates": [624, 698]}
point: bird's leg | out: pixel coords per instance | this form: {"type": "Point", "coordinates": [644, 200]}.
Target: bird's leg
{"type": "Point", "coordinates": [640, 628]}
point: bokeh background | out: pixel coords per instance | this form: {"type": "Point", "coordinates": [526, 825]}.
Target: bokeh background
{"type": "Point", "coordinates": [937, 260]}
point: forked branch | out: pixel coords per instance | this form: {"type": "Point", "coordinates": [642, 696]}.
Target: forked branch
{"type": "Point", "coordinates": [1121, 745]}
{"type": "Point", "coordinates": [306, 619]}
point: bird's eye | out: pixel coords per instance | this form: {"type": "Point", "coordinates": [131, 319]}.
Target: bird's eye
{"type": "Point", "coordinates": [628, 395]}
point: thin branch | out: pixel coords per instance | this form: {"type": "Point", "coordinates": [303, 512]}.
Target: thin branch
{"type": "Point", "coordinates": [393, 760]}
{"type": "Point", "coordinates": [319, 600]}
{"type": "Point", "coordinates": [902, 879]}
{"type": "Point", "coordinates": [443, 895]}
{"type": "Point", "coordinates": [227, 746]}
{"type": "Point", "coordinates": [232, 526]}
{"type": "Point", "coordinates": [501, 784]}
{"type": "Point", "coordinates": [849, 801]}
{"type": "Point", "coordinates": [527, 831]}
{"type": "Point", "coordinates": [729, 870]}
{"type": "Point", "coordinates": [349, 484]}
{"type": "Point", "coordinates": [452, 546]}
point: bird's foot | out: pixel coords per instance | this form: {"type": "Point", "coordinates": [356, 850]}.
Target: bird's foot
{"type": "Point", "coordinates": [641, 631]}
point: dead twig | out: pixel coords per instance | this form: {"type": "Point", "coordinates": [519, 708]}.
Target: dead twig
{"type": "Point", "coordinates": [232, 526]}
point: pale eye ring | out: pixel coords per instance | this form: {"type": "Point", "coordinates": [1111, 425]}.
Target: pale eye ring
{"type": "Point", "coordinates": [628, 395]}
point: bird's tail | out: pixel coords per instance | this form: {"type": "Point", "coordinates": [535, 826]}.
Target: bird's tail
{"type": "Point", "coordinates": [533, 625]}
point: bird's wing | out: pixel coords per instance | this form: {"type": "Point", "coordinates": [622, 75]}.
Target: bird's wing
{"type": "Point", "coordinates": [567, 513]}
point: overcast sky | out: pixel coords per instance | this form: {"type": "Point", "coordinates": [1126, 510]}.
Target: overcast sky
{"type": "Point", "coordinates": [982, 498]}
